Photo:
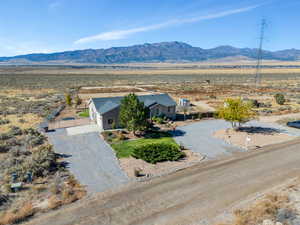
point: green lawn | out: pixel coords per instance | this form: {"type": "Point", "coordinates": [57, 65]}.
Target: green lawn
{"type": "Point", "coordinates": [125, 148]}
{"type": "Point", "coordinates": [84, 113]}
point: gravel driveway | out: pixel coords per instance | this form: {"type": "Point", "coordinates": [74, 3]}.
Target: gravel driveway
{"type": "Point", "coordinates": [90, 159]}
{"type": "Point", "coordinates": [199, 136]}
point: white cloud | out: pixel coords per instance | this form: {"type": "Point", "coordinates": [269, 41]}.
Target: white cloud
{"type": "Point", "coordinates": [54, 5]}
{"type": "Point", "coordinates": [122, 34]}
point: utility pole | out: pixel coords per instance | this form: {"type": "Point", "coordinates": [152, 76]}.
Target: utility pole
{"type": "Point", "coordinates": [260, 53]}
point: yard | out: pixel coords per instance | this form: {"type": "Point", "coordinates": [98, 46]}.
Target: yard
{"type": "Point", "coordinates": [124, 145]}
{"type": "Point", "coordinates": [124, 149]}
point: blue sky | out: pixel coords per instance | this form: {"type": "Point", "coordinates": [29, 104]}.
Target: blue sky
{"type": "Point", "coordinates": [28, 26]}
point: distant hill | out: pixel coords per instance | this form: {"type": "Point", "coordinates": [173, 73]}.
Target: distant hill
{"type": "Point", "coordinates": [156, 52]}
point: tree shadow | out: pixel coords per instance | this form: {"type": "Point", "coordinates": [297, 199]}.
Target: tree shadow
{"type": "Point", "coordinates": [157, 134]}
{"type": "Point", "coordinates": [294, 124]}
{"type": "Point", "coordinates": [260, 130]}
{"type": "Point", "coordinates": [65, 165]}
{"type": "Point", "coordinates": [59, 155]}
{"type": "Point", "coordinates": [178, 133]}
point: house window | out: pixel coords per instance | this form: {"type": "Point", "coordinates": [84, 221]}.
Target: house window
{"type": "Point", "coordinates": [157, 111]}
{"type": "Point", "coordinates": [110, 121]}
{"type": "Point", "coordinates": [169, 109]}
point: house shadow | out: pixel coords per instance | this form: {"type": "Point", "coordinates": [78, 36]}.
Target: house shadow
{"type": "Point", "coordinates": [260, 130]}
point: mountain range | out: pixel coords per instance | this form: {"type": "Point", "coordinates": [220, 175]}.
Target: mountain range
{"type": "Point", "coordinates": [156, 52]}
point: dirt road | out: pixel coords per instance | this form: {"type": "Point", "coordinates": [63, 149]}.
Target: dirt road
{"type": "Point", "coordinates": [192, 196]}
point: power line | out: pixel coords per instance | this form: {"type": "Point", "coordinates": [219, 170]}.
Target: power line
{"type": "Point", "coordinates": [260, 53]}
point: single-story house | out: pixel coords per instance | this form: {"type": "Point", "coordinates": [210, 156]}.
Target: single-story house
{"type": "Point", "coordinates": [105, 111]}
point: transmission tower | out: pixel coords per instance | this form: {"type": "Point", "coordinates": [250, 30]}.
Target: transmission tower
{"type": "Point", "coordinates": [260, 53]}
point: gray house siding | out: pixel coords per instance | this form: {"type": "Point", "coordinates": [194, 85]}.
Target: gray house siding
{"type": "Point", "coordinates": [111, 118]}
{"type": "Point", "coordinates": [161, 110]}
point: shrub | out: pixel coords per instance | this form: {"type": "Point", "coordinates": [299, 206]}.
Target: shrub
{"type": "Point", "coordinates": [158, 152]}
{"type": "Point", "coordinates": [68, 99]}
{"type": "Point", "coordinates": [266, 104]}
{"type": "Point", "coordinates": [159, 120]}
{"type": "Point", "coordinates": [4, 136]}
{"type": "Point", "coordinates": [268, 208]}
{"type": "Point", "coordinates": [34, 141]}
{"type": "Point", "coordinates": [32, 131]}
{"type": "Point", "coordinates": [77, 100]}
{"type": "Point", "coordinates": [7, 188]}
{"type": "Point", "coordinates": [22, 121]}
{"type": "Point", "coordinates": [279, 98]}
{"type": "Point", "coordinates": [3, 199]}
{"type": "Point", "coordinates": [285, 108]}
{"type": "Point", "coordinates": [254, 103]}
{"type": "Point", "coordinates": [42, 161]}
{"type": "Point", "coordinates": [15, 131]}
{"type": "Point", "coordinates": [33, 137]}
{"type": "Point", "coordinates": [13, 142]}
{"type": "Point", "coordinates": [3, 148]}
{"type": "Point", "coordinates": [4, 121]}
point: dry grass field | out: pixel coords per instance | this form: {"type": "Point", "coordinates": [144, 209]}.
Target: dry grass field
{"type": "Point", "coordinates": [24, 121]}
{"type": "Point", "coordinates": [62, 77]}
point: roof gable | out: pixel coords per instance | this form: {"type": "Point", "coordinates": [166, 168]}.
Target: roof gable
{"type": "Point", "coordinates": [104, 105]}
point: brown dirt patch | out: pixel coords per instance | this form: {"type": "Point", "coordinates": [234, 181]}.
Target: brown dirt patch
{"type": "Point", "coordinates": [238, 138]}
{"type": "Point", "coordinates": [130, 164]}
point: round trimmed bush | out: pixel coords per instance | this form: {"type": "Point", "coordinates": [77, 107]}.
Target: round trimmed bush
{"type": "Point", "coordinates": [158, 152]}
{"type": "Point", "coordinates": [280, 99]}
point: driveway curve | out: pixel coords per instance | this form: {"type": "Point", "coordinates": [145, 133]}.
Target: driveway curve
{"type": "Point", "coordinates": [199, 138]}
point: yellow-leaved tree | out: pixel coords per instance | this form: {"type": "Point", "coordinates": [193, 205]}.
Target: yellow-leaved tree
{"type": "Point", "coordinates": [236, 112]}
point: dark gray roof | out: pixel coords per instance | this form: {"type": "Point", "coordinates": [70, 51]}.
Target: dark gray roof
{"type": "Point", "coordinates": [104, 105]}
